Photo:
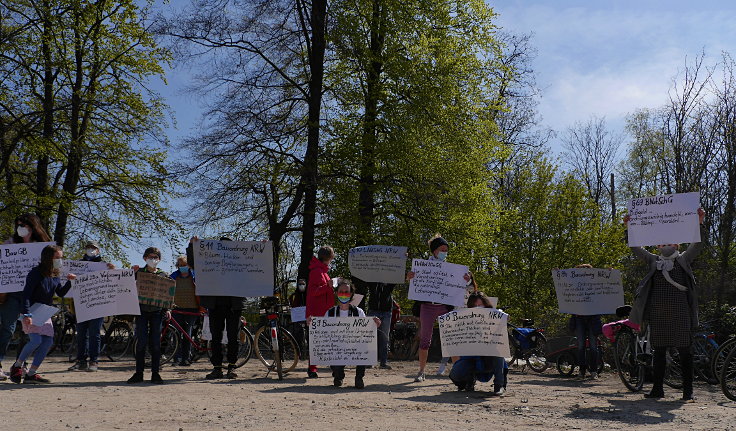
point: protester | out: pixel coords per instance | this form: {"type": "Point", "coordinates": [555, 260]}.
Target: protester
{"type": "Point", "coordinates": [88, 333]}
{"type": "Point", "coordinates": [299, 297]}
{"type": "Point", "coordinates": [667, 299]}
{"type": "Point", "coordinates": [42, 283]}
{"type": "Point", "coordinates": [148, 324]}
{"type": "Point", "coordinates": [186, 301]}
{"type": "Point", "coordinates": [319, 290]}
{"type": "Point", "coordinates": [224, 314]}
{"type": "Point", "coordinates": [344, 294]}
{"type": "Point", "coordinates": [28, 228]}
{"type": "Point", "coordinates": [429, 311]}
{"type": "Point", "coordinates": [467, 369]}
{"type": "Point", "coordinates": [587, 327]}
{"type": "Point", "coordinates": [380, 304]}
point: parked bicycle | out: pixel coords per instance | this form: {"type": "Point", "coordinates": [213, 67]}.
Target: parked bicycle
{"type": "Point", "coordinates": [728, 372]}
{"type": "Point", "coordinates": [275, 347]}
{"type": "Point", "coordinates": [404, 341]}
{"type": "Point", "coordinates": [528, 344]}
{"type": "Point", "coordinates": [719, 358]}
{"type": "Point", "coordinates": [704, 350]}
{"type": "Point", "coordinates": [567, 358]}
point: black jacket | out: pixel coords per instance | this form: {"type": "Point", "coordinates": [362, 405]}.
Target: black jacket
{"type": "Point", "coordinates": [380, 296]}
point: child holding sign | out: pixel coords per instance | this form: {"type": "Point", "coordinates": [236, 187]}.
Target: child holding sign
{"type": "Point", "coordinates": [41, 285]}
{"type": "Point", "coordinates": [344, 293]}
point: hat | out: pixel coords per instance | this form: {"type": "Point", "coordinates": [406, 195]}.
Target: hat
{"type": "Point", "coordinates": [437, 243]}
{"type": "Point", "coordinates": [92, 244]}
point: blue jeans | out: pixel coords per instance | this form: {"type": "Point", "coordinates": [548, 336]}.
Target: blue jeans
{"type": "Point", "coordinates": [39, 344]}
{"type": "Point", "coordinates": [187, 324]}
{"type": "Point", "coordinates": [148, 333]}
{"type": "Point", "coordinates": [9, 312]}
{"type": "Point", "coordinates": [383, 333]}
{"type": "Point", "coordinates": [583, 331]}
{"type": "Point", "coordinates": [88, 340]}
{"type": "Point", "coordinates": [469, 368]}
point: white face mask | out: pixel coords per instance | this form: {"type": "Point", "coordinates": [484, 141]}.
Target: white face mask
{"type": "Point", "coordinates": [302, 287]}
{"type": "Point", "coordinates": [23, 231]}
{"type": "Point", "coordinates": [152, 263]}
{"type": "Point", "coordinates": [442, 256]}
{"type": "Point", "coordinates": [58, 263]}
{"type": "Point", "coordinates": [92, 252]}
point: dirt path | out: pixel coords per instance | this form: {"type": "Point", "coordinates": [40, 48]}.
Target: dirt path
{"type": "Point", "coordinates": [103, 401]}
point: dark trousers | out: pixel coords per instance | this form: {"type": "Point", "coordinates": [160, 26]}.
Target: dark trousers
{"type": "Point", "coordinates": [660, 366]}
{"type": "Point", "coordinates": [338, 371]}
{"type": "Point", "coordinates": [222, 318]}
{"type": "Point", "coordinates": [187, 322]}
{"type": "Point", "coordinates": [148, 333]}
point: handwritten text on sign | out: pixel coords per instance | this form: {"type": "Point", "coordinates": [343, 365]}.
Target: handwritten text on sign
{"type": "Point", "coordinates": [343, 341]}
{"type": "Point", "coordinates": [155, 290]}
{"type": "Point", "coordinates": [437, 281]}
{"type": "Point", "coordinates": [667, 219]}
{"type": "Point", "coordinates": [378, 263]}
{"type": "Point", "coordinates": [234, 268]}
{"type": "Point", "coordinates": [474, 332]}
{"type": "Point", "coordinates": [16, 261]}
{"type": "Point", "coordinates": [105, 293]}
{"type": "Point", "coordinates": [78, 267]}
{"type": "Point", "coordinates": [588, 291]}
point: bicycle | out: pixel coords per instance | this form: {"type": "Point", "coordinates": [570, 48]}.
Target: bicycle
{"type": "Point", "coordinates": [404, 342]}
{"type": "Point", "coordinates": [114, 343]}
{"type": "Point", "coordinates": [728, 373]}
{"type": "Point", "coordinates": [567, 358]}
{"type": "Point", "coordinates": [719, 358]}
{"type": "Point", "coordinates": [634, 355]}
{"type": "Point", "coordinates": [528, 344]}
{"type": "Point", "coordinates": [201, 346]}
{"type": "Point", "coordinates": [275, 347]}
{"type": "Point", "coordinates": [704, 350]}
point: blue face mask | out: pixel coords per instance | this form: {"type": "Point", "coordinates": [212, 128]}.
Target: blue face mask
{"type": "Point", "coordinates": [442, 255]}
{"type": "Point", "coordinates": [184, 269]}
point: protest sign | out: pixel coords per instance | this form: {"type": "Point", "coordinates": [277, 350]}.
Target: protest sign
{"type": "Point", "coordinates": [234, 268]}
{"type": "Point", "coordinates": [155, 290]}
{"type": "Point", "coordinates": [105, 293]}
{"type": "Point", "coordinates": [79, 267]}
{"type": "Point", "coordinates": [16, 261]}
{"type": "Point", "coordinates": [474, 332]}
{"type": "Point", "coordinates": [437, 281]}
{"type": "Point", "coordinates": [378, 263]}
{"type": "Point", "coordinates": [666, 219]}
{"type": "Point", "coordinates": [588, 291]}
{"type": "Point", "coordinates": [357, 297]}
{"type": "Point", "coordinates": [343, 341]}
{"type": "Point", "coordinates": [298, 314]}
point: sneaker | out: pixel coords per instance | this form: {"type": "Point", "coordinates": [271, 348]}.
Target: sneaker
{"type": "Point", "coordinates": [16, 374]}
{"type": "Point", "coordinates": [136, 378]}
{"type": "Point", "coordinates": [185, 363]}
{"type": "Point", "coordinates": [594, 376]}
{"type": "Point", "coordinates": [419, 377]}
{"type": "Point", "coordinates": [337, 382]}
{"type": "Point", "coordinates": [442, 368]}
{"type": "Point", "coordinates": [93, 367]}
{"type": "Point", "coordinates": [470, 386]}
{"type": "Point", "coordinates": [35, 378]}
{"type": "Point", "coordinates": [385, 367]}
{"type": "Point", "coordinates": [156, 379]}
{"type": "Point", "coordinates": [688, 398]}
{"type": "Point", "coordinates": [79, 366]}
{"type": "Point", "coordinates": [499, 392]}
{"type": "Point", "coordinates": [3, 375]}
{"type": "Point", "coordinates": [654, 394]}
{"type": "Point", "coordinates": [231, 374]}
{"type": "Point", "coordinates": [215, 374]}
{"type": "Point", "coordinates": [312, 374]}
{"type": "Point", "coordinates": [359, 383]}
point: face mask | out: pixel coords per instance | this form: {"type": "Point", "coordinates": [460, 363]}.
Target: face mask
{"type": "Point", "coordinates": [184, 269]}
{"type": "Point", "coordinates": [23, 231]}
{"type": "Point", "coordinates": [302, 287]}
{"type": "Point", "coordinates": [667, 250]}
{"type": "Point", "coordinates": [57, 263]}
{"type": "Point", "coordinates": [442, 255]}
{"type": "Point", "coordinates": [343, 299]}
{"type": "Point", "coordinates": [152, 263]}
{"type": "Point", "coordinates": [92, 252]}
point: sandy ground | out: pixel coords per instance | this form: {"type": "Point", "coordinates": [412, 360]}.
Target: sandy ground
{"type": "Point", "coordinates": [391, 400]}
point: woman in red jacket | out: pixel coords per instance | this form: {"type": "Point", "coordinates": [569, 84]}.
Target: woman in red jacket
{"type": "Point", "coordinates": [320, 294]}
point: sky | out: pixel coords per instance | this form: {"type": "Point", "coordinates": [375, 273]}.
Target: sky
{"type": "Point", "coordinates": [594, 57]}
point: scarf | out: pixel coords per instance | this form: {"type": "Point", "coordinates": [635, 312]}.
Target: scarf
{"type": "Point", "coordinates": [665, 264]}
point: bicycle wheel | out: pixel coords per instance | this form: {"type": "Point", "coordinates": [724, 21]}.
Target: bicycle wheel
{"type": "Point", "coordinates": [629, 369]}
{"type": "Point", "coordinates": [719, 358]}
{"type": "Point", "coordinates": [566, 363]}
{"type": "Point", "coordinates": [287, 347]}
{"type": "Point", "coordinates": [245, 346]}
{"type": "Point", "coordinates": [728, 376]}
{"type": "Point", "coordinates": [169, 344]}
{"type": "Point", "coordinates": [514, 351]}
{"type": "Point", "coordinates": [703, 353]}
{"type": "Point", "coordinates": [673, 372]}
{"type": "Point", "coordinates": [537, 358]}
{"type": "Point", "coordinates": [118, 339]}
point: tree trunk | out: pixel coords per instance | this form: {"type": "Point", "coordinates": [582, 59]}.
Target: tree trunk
{"type": "Point", "coordinates": [47, 106]}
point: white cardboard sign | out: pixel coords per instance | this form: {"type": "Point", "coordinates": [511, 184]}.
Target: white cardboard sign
{"type": "Point", "coordinates": [378, 263]}
{"type": "Point", "coordinates": [474, 332]}
{"type": "Point", "coordinates": [16, 261]}
{"type": "Point", "coordinates": [111, 292]}
{"type": "Point", "coordinates": [665, 219]}
{"type": "Point", "coordinates": [234, 268]}
{"type": "Point", "coordinates": [588, 291]}
{"type": "Point", "coordinates": [437, 281]}
{"type": "Point", "coordinates": [343, 341]}
{"type": "Point", "coordinates": [79, 267]}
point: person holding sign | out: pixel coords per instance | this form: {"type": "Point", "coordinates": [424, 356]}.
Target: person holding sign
{"type": "Point", "coordinates": [667, 299]}
{"type": "Point", "coordinates": [344, 294]}
{"type": "Point", "coordinates": [587, 327]}
{"type": "Point", "coordinates": [186, 300]}
{"type": "Point", "coordinates": [467, 369]}
{"type": "Point", "coordinates": [88, 333]}
{"type": "Point", "coordinates": [28, 228]}
{"type": "Point", "coordinates": [319, 290]}
{"type": "Point", "coordinates": [41, 284]}
{"type": "Point", "coordinates": [148, 324]}
{"type": "Point", "coordinates": [429, 311]}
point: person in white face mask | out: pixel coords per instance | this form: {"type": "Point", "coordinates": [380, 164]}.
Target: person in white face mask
{"type": "Point", "coordinates": [668, 301]}
{"type": "Point", "coordinates": [28, 228]}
